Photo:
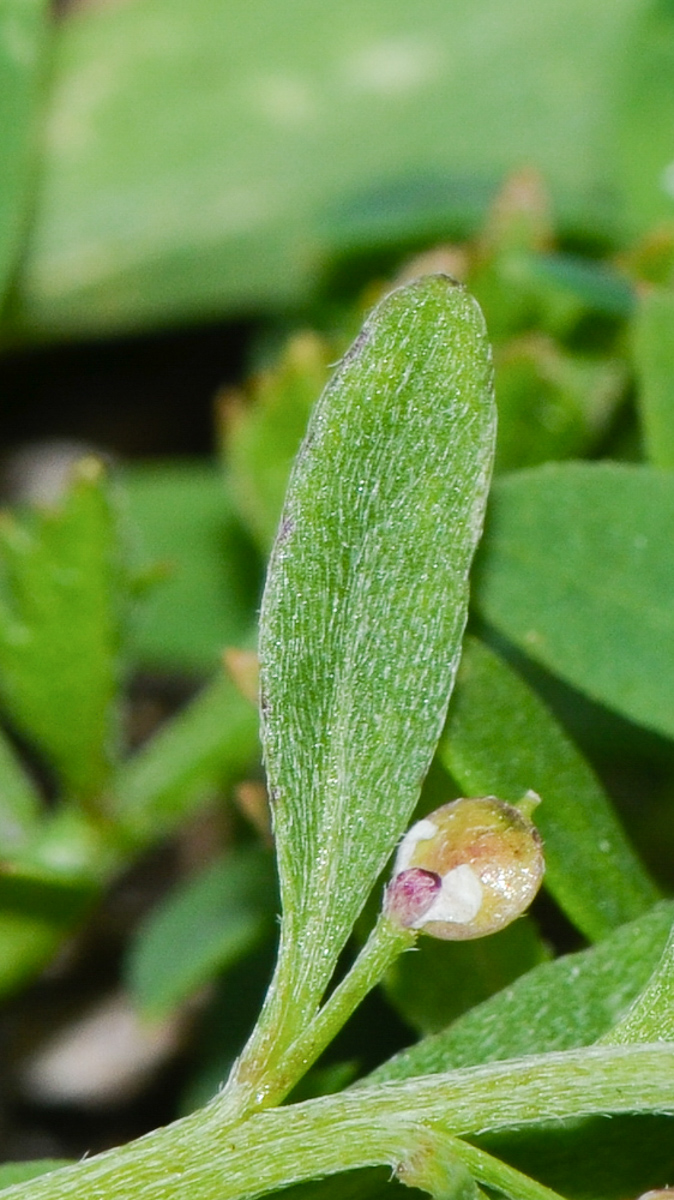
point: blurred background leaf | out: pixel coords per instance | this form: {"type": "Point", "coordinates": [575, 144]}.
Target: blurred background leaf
{"type": "Point", "coordinates": [207, 924]}
{"type": "Point", "coordinates": [64, 596]}
{"type": "Point", "coordinates": [276, 138]}
{"type": "Point", "coordinates": [576, 569]}
{"type": "Point", "coordinates": [24, 35]}
{"type": "Point", "coordinates": [654, 367]}
{"type": "Point", "coordinates": [208, 575]}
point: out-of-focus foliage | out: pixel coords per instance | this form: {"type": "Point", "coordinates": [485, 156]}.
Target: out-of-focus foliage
{"type": "Point", "coordinates": [276, 138]}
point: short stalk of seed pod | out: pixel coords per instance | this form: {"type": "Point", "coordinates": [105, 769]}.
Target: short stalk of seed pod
{"type": "Point", "coordinates": [468, 869]}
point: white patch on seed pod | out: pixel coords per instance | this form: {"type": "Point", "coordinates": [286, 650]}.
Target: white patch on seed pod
{"type": "Point", "coordinates": [458, 901]}
{"type": "Point", "coordinates": [422, 831]}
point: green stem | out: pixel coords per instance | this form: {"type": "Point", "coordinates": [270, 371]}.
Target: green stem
{"type": "Point", "coordinates": [386, 942]}
{"type": "Point", "coordinates": [263, 1077]}
{"type": "Point", "coordinates": [384, 1124]}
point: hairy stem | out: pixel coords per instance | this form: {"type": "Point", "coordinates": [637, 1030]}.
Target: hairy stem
{"type": "Point", "coordinates": [368, 1126]}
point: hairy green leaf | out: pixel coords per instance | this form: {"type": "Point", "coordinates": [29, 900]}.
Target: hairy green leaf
{"type": "Point", "coordinates": [654, 364]}
{"type": "Point", "coordinates": [500, 739]}
{"type": "Point", "coordinates": [61, 607]}
{"type": "Point", "coordinates": [577, 570]}
{"type": "Point", "coordinates": [651, 1017]}
{"type": "Point", "coordinates": [365, 606]}
{"type": "Point", "coordinates": [557, 1006]}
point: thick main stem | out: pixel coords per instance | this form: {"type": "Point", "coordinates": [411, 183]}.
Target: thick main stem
{"type": "Point", "coordinates": [389, 1123]}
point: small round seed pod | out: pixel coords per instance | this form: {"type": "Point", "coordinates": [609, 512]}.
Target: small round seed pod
{"type": "Point", "coordinates": [467, 869]}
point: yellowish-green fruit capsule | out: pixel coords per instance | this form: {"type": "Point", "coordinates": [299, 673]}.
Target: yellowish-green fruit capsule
{"type": "Point", "coordinates": [467, 869]}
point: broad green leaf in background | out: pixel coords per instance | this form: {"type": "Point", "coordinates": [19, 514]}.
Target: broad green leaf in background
{"type": "Point", "coordinates": [264, 428]}
{"type": "Point", "coordinates": [654, 367]}
{"type": "Point", "coordinates": [364, 611]}
{"type": "Point", "coordinates": [19, 801]}
{"type": "Point", "coordinates": [557, 1006]}
{"type": "Point", "coordinates": [184, 521]}
{"type": "Point", "coordinates": [23, 40]}
{"type": "Point", "coordinates": [193, 757]}
{"type": "Point", "coordinates": [577, 570]}
{"type": "Point", "coordinates": [204, 926]}
{"type": "Point", "coordinates": [61, 623]}
{"type": "Point", "coordinates": [305, 132]}
{"type": "Point", "coordinates": [500, 739]}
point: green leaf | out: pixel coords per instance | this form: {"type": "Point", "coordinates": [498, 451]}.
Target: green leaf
{"type": "Point", "coordinates": [61, 599]}
{"type": "Point", "coordinates": [651, 1017]}
{"type": "Point", "coordinates": [183, 519]}
{"type": "Point", "coordinates": [551, 404]}
{"type": "Point", "coordinates": [654, 367]}
{"type": "Point", "coordinates": [364, 610]}
{"type": "Point", "coordinates": [557, 1006]}
{"type": "Point", "coordinates": [263, 435]}
{"type": "Point", "coordinates": [192, 757]}
{"type": "Point", "coordinates": [500, 739]}
{"type": "Point", "coordinates": [205, 925]}
{"type": "Point", "coordinates": [577, 570]}
{"type": "Point", "coordinates": [23, 39]}
{"type": "Point", "coordinates": [38, 909]}
{"type": "Point", "coordinates": [382, 138]}
{"type": "Point", "coordinates": [441, 980]}
{"type": "Point", "coordinates": [20, 807]}
{"type": "Point", "coordinates": [593, 1159]}
{"type": "Point", "coordinates": [644, 145]}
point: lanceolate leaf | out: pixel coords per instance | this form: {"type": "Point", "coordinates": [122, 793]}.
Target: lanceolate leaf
{"type": "Point", "coordinates": [578, 571]}
{"type": "Point", "coordinates": [365, 607]}
{"type": "Point", "coordinates": [501, 739]}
